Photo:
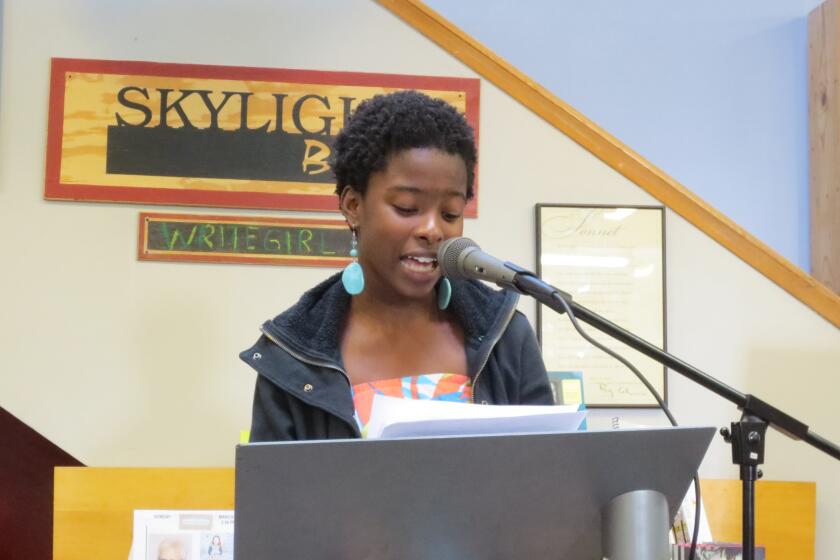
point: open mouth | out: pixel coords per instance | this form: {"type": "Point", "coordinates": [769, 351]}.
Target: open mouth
{"type": "Point", "coordinates": [419, 264]}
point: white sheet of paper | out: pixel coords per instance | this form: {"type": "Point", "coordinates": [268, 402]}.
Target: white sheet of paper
{"type": "Point", "coordinates": [393, 417]}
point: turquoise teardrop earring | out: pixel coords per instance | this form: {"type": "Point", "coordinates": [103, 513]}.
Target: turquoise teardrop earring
{"type": "Point", "coordinates": [444, 293]}
{"type": "Point", "coordinates": [353, 278]}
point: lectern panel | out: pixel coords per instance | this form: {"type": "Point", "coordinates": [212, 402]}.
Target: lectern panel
{"type": "Point", "coordinates": [534, 496]}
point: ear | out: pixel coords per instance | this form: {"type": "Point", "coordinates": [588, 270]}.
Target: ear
{"type": "Point", "coordinates": [350, 204]}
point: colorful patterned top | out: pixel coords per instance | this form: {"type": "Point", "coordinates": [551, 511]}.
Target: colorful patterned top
{"type": "Point", "coordinates": [434, 386]}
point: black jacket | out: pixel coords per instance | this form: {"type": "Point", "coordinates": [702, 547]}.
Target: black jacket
{"type": "Point", "coordinates": [303, 392]}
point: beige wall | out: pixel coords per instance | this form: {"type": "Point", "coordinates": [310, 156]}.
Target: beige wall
{"type": "Point", "coordinates": [127, 363]}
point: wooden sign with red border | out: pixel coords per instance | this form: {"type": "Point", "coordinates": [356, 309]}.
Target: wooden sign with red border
{"type": "Point", "coordinates": [200, 135]}
{"type": "Point", "coordinates": [243, 239]}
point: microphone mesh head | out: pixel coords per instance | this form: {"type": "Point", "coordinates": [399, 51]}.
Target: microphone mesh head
{"type": "Point", "coordinates": [449, 254]}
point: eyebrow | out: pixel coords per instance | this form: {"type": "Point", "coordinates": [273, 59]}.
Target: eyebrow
{"type": "Point", "coordinates": [417, 190]}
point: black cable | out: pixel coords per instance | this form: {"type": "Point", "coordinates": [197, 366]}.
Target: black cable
{"type": "Point", "coordinates": [660, 402]}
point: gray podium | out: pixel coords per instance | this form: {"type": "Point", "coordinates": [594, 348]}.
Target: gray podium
{"type": "Point", "coordinates": [574, 496]}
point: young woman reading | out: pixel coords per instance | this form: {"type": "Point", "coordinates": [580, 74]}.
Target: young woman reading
{"type": "Point", "coordinates": [390, 323]}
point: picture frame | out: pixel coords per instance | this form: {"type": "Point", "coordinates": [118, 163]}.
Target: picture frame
{"type": "Point", "coordinates": [611, 259]}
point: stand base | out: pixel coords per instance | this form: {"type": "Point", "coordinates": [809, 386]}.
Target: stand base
{"type": "Point", "coordinates": [635, 525]}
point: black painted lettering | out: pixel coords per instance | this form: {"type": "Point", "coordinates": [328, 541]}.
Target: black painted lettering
{"type": "Point", "coordinates": [243, 115]}
{"type": "Point", "coordinates": [124, 101]}
{"type": "Point", "coordinates": [215, 110]}
{"type": "Point", "coordinates": [279, 99]}
{"type": "Point", "coordinates": [165, 107]}
{"type": "Point", "coordinates": [297, 108]}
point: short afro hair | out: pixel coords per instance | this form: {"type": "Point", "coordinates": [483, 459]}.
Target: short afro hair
{"type": "Point", "coordinates": [388, 124]}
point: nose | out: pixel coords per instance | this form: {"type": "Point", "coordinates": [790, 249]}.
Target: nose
{"type": "Point", "coordinates": [430, 229]}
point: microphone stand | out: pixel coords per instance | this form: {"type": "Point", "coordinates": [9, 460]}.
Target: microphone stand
{"type": "Point", "coordinates": [745, 436]}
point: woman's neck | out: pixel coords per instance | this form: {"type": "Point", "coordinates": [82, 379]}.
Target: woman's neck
{"type": "Point", "coordinates": [395, 311]}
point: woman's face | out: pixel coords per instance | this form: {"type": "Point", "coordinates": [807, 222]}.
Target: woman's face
{"type": "Point", "coordinates": [409, 209]}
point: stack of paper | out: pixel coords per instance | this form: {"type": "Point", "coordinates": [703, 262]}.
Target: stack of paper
{"type": "Point", "coordinates": [394, 418]}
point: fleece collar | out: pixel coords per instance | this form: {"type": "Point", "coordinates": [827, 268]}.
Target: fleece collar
{"type": "Point", "coordinates": [313, 325]}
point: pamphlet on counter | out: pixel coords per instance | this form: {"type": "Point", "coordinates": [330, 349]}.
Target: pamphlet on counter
{"type": "Point", "coordinates": [182, 535]}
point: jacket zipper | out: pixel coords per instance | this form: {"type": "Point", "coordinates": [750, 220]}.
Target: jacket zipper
{"type": "Point", "coordinates": [490, 350]}
{"type": "Point", "coordinates": [305, 359]}
{"type": "Point", "coordinates": [310, 361]}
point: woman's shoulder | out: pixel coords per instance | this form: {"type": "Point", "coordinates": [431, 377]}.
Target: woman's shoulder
{"type": "Point", "coordinates": [519, 323]}
{"type": "Point", "coordinates": [314, 322]}
{"type": "Point", "coordinates": [518, 331]}
{"type": "Point", "coordinates": [319, 306]}
{"type": "Point", "coordinates": [481, 309]}
{"type": "Point", "coordinates": [322, 296]}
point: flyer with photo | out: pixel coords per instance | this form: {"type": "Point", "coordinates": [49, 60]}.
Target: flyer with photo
{"type": "Point", "coordinates": [182, 535]}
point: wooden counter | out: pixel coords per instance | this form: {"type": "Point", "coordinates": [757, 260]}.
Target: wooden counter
{"type": "Point", "coordinates": [94, 508]}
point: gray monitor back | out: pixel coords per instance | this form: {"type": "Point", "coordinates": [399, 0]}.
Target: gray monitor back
{"type": "Point", "coordinates": [488, 497]}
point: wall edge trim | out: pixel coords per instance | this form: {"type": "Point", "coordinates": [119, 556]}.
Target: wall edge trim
{"type": "Point", "coordinates": [619, 157]}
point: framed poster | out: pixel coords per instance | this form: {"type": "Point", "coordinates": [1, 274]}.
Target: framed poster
{"type": "Point", "coordinates": [222, 136]}
{"type": "Point", "coordinates": [612, 261]}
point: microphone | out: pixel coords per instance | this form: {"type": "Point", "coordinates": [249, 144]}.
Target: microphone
{"type": "Point", "coordinates": [461, 257]}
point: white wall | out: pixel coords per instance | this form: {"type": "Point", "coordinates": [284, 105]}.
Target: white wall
{"type": "Point", "coordinates": [123, 362]}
